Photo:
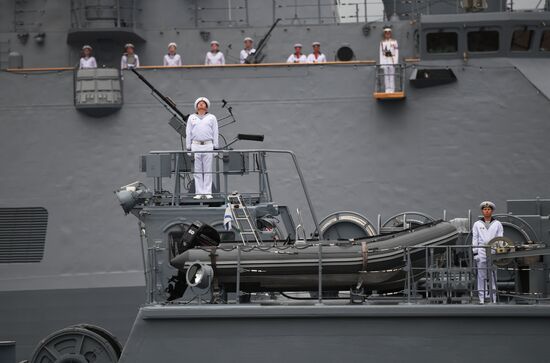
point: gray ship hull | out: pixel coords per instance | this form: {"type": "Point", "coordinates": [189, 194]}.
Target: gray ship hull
{"type": "Point", "coordinates": [330, 333]}
{"type": "Point", "coordinates": [443, 148]}
{"type": "Point", "coordinates": [428, 153]}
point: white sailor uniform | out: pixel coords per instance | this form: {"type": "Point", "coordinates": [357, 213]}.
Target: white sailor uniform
{"type": "Point", "coordinates": [294, 59]}
{"type": "Point", "coordinates": [482, 233]}
{"type": "Point", "coordinates": [172, 60]}
{"type": "Point", "coordinates": [129, 61]}
{"type": "Point", "coordinates": [320, 59]}
{"type": "Point", "coordinates": [214, 58]}
{"type": "Point", "coordinates": [245, 53]}
{"type": "Point", "coordinates": [89, 62]}
{"type": "Point", "coordinates": [201, 135]}
{"type": "Point", "coordinates": [389, 56]}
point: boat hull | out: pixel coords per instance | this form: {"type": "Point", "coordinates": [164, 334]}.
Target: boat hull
{"type": "Point", "coordinates": [376, 263]}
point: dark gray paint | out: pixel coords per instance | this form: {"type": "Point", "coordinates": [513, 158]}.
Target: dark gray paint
{"type": "Point", "coordinates": [483, 137]}
{"type": "Point", "coordinates": [334, 333]}
{"type": "Point", "coordinates": [356, 153]}
{"type": "Point", "coordinates": [30, 316]}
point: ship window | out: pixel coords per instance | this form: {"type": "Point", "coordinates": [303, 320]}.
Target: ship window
{"type": "Point", "coordinates": [483, 41]}
{"type": "Point", "coordinates": [521, 40]}
{"type": "Point", "coordinates": [442, 42]}
{"type": "Point", "coordinates": [545, 41]}
{"type": "Point", "coordinates": [22, 234]}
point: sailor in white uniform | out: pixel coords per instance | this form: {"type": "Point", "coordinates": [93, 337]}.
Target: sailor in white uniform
{"type": "Point", "coordinates": [214, 56]}
{"type": "Point", "coordinates": [316, 56]}
{"type": "Point", "coordinates": [483, 231]}
{"type": "Point", "coordinates": [172, 59]}
{"type": "Point", "coordinates": [248, 49]}
{"type": "Point", "coordinates": [201, 135]}
{"type": "Point", "coordinates": [129, 59]}
{"type": "Point", "coordinates": [87, 61]}
{"type": "Point", "coordinates": [297, 56]}
{"type": "Point", "coordinates": [389, 57]}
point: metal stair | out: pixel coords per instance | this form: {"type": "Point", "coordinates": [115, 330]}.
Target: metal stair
{"type": "Point", "coordinates": [241, 216]}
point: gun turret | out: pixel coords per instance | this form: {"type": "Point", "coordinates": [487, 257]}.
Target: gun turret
{"type": "Point", "coordinates": [165, 100]}
{"type": "Point", "coordinates": [257, 56]}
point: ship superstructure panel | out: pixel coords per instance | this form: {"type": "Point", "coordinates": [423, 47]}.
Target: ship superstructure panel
{"type": "Point", "coordinates": [442, 149]}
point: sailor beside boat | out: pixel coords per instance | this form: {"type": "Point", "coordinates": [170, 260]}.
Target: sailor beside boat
{"type": "Point", "coordinates": [129, 59]}
{"type": "Point", "coordinates": [389, 57]}
{"type": "Point", "coordinates": [483, 231]}
{"type": "Point", "coordinates": [202, 135]}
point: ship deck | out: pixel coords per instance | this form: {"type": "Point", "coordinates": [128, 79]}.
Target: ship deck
{"type": "Point", "coordinates": [328, 333]}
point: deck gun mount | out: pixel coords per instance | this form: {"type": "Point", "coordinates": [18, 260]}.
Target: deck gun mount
{"type": "Point", "coordinates": [258, 56]}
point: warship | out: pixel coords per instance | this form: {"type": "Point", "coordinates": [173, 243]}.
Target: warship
{"type": "Point", "coordinates": [81, 282]}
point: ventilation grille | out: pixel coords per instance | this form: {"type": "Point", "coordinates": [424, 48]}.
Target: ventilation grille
{"type": "Point", "coordinates": [22, 234]}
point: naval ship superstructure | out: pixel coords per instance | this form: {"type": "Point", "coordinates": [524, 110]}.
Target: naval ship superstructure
{"type": "Point", "coordinates": [470, 125]}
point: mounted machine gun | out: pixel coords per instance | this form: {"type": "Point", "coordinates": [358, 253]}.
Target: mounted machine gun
{"type": "Point", "coordinates": [257, 56]}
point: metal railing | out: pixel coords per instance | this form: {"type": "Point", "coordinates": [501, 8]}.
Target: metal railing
{"type": "Point", "coordinates": [237, 13]}
{"type": "Point", "coordinates": [234, 14]}
{"type": "Point", "coordinates": [182, 169]}
{"type": "Point", "coordinates": [448, 274]}
{"type": "Point", "coordinates": [390, 77]}
{"type": "Point", "coordinates": [443, 274]}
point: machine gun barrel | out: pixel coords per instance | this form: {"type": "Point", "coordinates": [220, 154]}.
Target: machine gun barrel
{"type": "Point", "coordinates": [167, 100]}
{"type": "Point", "coordinates": [257, 56]}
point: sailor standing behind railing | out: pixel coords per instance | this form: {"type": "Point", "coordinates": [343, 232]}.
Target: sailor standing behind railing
{"type": "Point", "coordinates": [389, 57]}
{"type": "Point", "coordinates": [214, 56]}
{"type": "Point", "coordinates": [172, 59]}
{"type": "Point", "coordinates": [248, 49]}
{"type": "Point", "coordinates": [483, 231]}
{"type": "Point", "coordinates": [129, 59]}
{"type": "Point", "coordinates": [297, 56]}
{"type": "Point", "coordinates": [202, 135]}
{"type": "Point", "coordinates": [316, 56]}
{"type": "Point", "coordinates": [87, 61]}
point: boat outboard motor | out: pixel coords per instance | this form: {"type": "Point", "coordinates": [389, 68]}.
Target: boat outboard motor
{"type": "Point", "coordinates": [198, 234]}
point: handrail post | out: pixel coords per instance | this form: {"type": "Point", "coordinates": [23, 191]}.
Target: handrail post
{"type": "Point", "coordinates": [238, 283]}
{"type": "Point", "coordinates": [320, 278]}
{"type": "Point", "coordinates": [304, 187]}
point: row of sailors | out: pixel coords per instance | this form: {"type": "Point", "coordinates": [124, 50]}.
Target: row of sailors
{"type": "Point", "coordinates": [214, 57]}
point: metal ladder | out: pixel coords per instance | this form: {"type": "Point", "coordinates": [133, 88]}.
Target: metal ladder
{"type": "Point", "coordinates": [242, 219]}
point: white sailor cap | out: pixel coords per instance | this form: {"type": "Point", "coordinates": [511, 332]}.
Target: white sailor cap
{"type": "Point", "coordinates": [129, 45]}
{"type": "Point", "coordinates": [387, 29]}
{"type": "Point", "coordinates": [248, 39]}
{"type": "Point", "coordinates": [298, 45]}
{"type": "Point", "coordinates": [487, 204]}
{"type": "Point", "coordinates": [202, 99]}
{"type": "Point", "coordinates": [87, 47]}
{"type": "Point", "coordinates": [315, 43]}
{"type": "Point", "coordinates": [214, 42]}
{"type": "Point", "coordinates": [172, 45]}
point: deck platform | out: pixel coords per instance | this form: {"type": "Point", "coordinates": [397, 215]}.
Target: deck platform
{"type": "Point", "coordinates": [340, 333]}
